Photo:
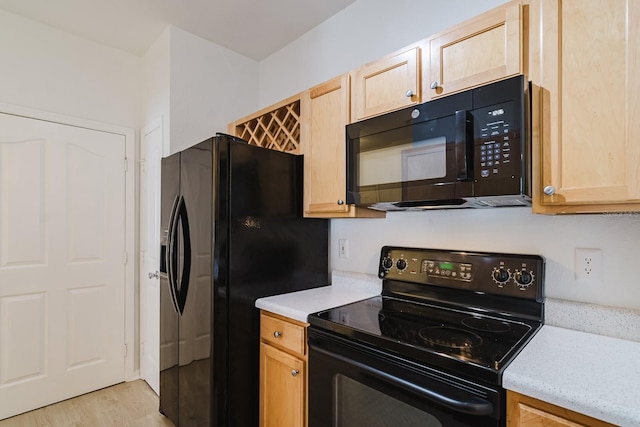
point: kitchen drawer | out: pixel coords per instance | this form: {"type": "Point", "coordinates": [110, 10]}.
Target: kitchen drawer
{"type": "Point", "coordinates": [283, 333]}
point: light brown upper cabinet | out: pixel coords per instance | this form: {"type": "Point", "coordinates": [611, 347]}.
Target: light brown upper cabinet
{"type": "Point", "coordinates": [325, 113]}
{"type": "Point", "coordinates": [585, 67]}
{"type": "Point", "coordinates": [483, 49]}
{"type": "Point", "coordinates": [387, 84]}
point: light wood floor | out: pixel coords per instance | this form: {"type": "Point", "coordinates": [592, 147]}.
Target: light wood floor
{"type": "Point", "coordinates": [128, 404]}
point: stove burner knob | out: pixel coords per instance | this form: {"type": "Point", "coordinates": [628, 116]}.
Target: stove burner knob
{"type": "Point", "coordinates": [523, 278]}
{"type": "Point", "coordinates": [387, 263]}
{"type": "Point", "coordinates": [401, 264]}
{"type": "Point", "coordinates": [500, 276]}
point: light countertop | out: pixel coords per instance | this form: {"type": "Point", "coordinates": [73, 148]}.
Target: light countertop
{"type": "Point", "coordinates": [346, 288]}
{"type": "Point", "coordinates": [592, 374]}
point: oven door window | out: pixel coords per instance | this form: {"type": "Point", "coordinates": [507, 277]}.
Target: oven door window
{"type": "Point", "coordinates": [360, 405]}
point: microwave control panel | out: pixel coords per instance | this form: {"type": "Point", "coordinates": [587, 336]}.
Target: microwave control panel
{"type": "Point", "coordinates": [496, 142]}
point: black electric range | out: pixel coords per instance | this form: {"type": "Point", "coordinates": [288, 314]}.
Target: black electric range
{"type": "Point", "coordinates": [460, 317]}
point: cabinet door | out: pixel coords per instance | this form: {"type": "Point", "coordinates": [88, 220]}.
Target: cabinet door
{"type": "Point", "coordinates": [387, 84]}
{"type": "Point", "coordinates": [535, 417]}
{"type": "Point", "coordinates": [326, 116]}
{"type": "Point", "coordinates": [282, 389]}
{"type": "Point", "coordinates": [525, 411]}
{"type": "Point", "coordinates": [478, 51]}
{"type": "Point", "coordinates": [325, 112]}
{"type": "Point", "coordinates": [587, 69]}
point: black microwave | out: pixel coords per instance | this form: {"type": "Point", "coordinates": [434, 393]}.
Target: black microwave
{"type": "Point", "coordinates": [470, 149]}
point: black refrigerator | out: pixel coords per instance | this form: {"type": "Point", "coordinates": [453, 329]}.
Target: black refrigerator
{"type": "Point", "coordinates": [231, 232]}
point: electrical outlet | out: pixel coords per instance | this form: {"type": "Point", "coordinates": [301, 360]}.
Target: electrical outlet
{"type": "Point", "coordinates": [343, 248]}
{"type": "Point", "coordinates": [588, 264]}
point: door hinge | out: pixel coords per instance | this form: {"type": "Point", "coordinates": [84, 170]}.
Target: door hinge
{"type": "Point", "coordinates": [126, 164]}
{"type": "Point", "coordinates": [124, 351]}
{"type": "Point", "coordinates": [125, 257]}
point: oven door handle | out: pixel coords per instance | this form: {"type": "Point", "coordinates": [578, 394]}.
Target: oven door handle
{"type": "Point", "coordinates": [475, 405]}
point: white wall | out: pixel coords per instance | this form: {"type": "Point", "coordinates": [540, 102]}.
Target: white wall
{"type": "Point", "coordinates": [513, 230]}
{"type": "Point", "coordinates": [210, 86]}
{"type": "Point", "coordinates": [364, 31]}
{"type": "Point", "coordinates": [371, 28]}
{"type": "Point", "coordinates": [50, 70]}
{"type": "Point", "coordinates": [155, 87]}
{"type": "Point", "coordinates": [195, 87]}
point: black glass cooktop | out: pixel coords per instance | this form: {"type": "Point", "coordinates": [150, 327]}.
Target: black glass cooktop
{"type": "Point", "coordinates": [427, 332]}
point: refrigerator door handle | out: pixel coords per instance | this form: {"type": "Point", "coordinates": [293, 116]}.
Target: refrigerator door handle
{"type": "Point", "coordinates": [183, 219]}
{"type": "Point", "coordinates": [171, 253]}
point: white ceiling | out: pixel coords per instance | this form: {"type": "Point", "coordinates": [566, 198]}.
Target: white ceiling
{"type": "Point", "coordinates": [254, 28]}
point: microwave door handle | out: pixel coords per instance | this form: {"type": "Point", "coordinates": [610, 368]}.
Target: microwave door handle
{"type": "Point", "coordinates": [463, 147]}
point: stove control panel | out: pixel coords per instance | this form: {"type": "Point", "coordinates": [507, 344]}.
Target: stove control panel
{"type": "Point", "coordinates": [447, 269]}
{"type": "Point", "coordinates": [496, 273]}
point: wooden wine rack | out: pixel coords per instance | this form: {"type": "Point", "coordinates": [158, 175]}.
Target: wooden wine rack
{"type": "Point", "coordinates": [276, 127]}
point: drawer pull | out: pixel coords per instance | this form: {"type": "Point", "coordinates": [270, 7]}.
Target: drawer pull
{"type": "Point", "coordinates": [277, 334]}
{"type": "Point", "coordinates": [295, 372]}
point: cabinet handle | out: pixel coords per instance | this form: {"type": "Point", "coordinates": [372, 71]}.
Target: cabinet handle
{"type": "Point", "coordinates": [409, 93]}
{"type": "Point", "coordinates": [277, 334]}
{"type": "Point", "coordinates": [341, 202]}
{"type": "Point", "coordinates": [153, 275]}
{"type": "Point", "coordinates": [434, 85]}
{"type": "Point", "coordinates": [549, 190]}
{"type": "Point", "coordinates": [295, 372]}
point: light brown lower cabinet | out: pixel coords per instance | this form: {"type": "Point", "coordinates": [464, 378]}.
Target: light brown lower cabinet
{"type": "Point", "coordinates": [525, 411]}
{"type": "Point", "coordinates": [283, 371]}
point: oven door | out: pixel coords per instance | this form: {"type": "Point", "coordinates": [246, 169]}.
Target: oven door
{"type": "Point", "coordinates": [351, 385]}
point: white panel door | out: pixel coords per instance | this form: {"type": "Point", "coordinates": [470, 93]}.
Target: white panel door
{"type": "Point", "coordinates": [151, 152]}
{"type": "Point", "coordinates": [62, 272]}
